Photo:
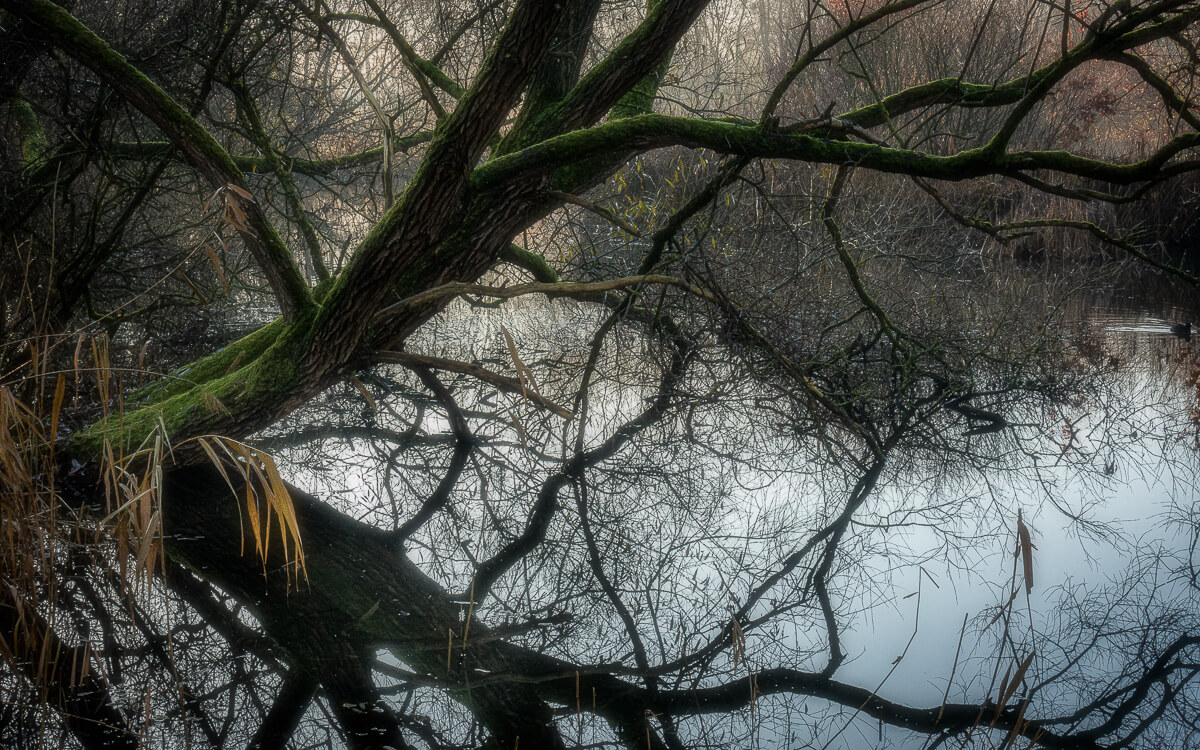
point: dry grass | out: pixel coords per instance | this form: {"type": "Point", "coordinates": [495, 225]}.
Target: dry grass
{"type": "Point", "coordinates": [41, 530]}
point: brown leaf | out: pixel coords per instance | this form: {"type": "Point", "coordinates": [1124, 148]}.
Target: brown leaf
{"type": "Point", "coordinates": [218, 266]}
{"type": "Point", "coordinates": [1003, 692]}
{"type": "Point", "coordinates": [236, 216]}
{"type": "Point", "coordinates": [519, 428]}
{"type": "Point", "coordinates": [195, 289]}
{"type": "Point", "coordinates": [366, 394]}
{"type": "Point", "coordinates": [1026, 546]}
{"type": "Point", "coordinates": [1018, 677]}
{"type": "Point", "coordinates": [516, 358]}
{"type": "Point", "coordinates": [241, 191]}
{"type": "Point", "coordinates": [60, 389]}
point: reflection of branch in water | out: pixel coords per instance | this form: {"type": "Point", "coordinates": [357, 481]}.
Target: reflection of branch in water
{"type": "Point", "coordinates": [464, 443]}
{"type": "Point", "coordinates": [65, 674]}
{"type": "Point", "coordinates": [995, 422]}
{"type": "Point", "coordinates": [504, 383]}
{"type": "Point", "coordinates": [487, 572]}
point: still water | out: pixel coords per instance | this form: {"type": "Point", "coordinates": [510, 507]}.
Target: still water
{"type": "Point", "coordinates": [1002, 506]}
{"type": "Point", "coordinates": [1109, 490]}
{"type": "Point", "coordinates": [933, 604]}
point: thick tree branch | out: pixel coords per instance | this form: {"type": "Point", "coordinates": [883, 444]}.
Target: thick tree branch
{"type": "Point", "coordinates": [412, 231]}
{"type": "Point", "coordinates": [630, 61]}
{"type": "Point", "coordinates": [648, 132]}
{"type": "Point", "coordinates": [951, 718]}
{"type": "Point", "coordinates": [281, 721]}
{"type": "Point", "coordinates": [576, 289]}
{"type": "Point", "coordinates": [463, 444]}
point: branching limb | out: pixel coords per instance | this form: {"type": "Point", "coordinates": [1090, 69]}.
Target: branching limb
{"type": "Point", "coordinates": [821, 588]}
{"type": "Point", "coordinates": [1125, 33]}
{"type": "Point", "coordinates": [462, 28]}
{"type": "Point", "coordinates": [728, 172]}
{"type": "Point", "coordinates": [647, 132]}
{"type": "Point", "coordinates": [417, 362]}
{"type": "Point", "coordinates": [600, 211]}
{"type": "Point", "coordinates": [64, 674]}
{"type": "Point", "coordinates": [281, 721]}
{"type": "Point", "coordinates": [546, 504]}
{"type": "Point", "coordinates": [422, 70]}
{"type": "Point", "coordinates": [858, 495]}
{"type": "Point", "coordinates": [385, 122]}
{"type": "Point", "coordinates": [1170, 96]}
{"type": "Point", "coordinates": [1127, 700]}
{"type": "Point", "coordinates": [435, 200]}
{"type": "Point", "coordinates": [291, 194]}
{"type": "Point", "coordinates": [951, 718]}
{"type": "Point", "coordinates": [1102, 235]}
{"type": "Point", "coordinates": [733, 313]}
{"type": "Point", "coordinates": [581, 290]}
{"type": "Point", "coordinates": [628, 63]}
{"type": "Point", "coordinates": [815, 51]}
{"type": "Point", "coordinates": [839, 246]}
{"type": "Point", "coordinates": [146, 150]}
{"type": "Point", "coordinates": [1004, 232]}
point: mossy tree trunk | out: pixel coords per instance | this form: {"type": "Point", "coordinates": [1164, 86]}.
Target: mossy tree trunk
{"type": "Point", "coordinates": [458, 214]}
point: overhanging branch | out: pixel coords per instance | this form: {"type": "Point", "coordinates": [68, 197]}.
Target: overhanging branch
{"type": "Point", "coordinates": [647, 132]}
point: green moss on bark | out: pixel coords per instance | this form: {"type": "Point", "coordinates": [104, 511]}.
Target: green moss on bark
{"type": "Point", "coordinates": [647, 132]}
{"type": "Point", "coordinates": [218, 364]}
{"type": "Point", "coordinates": [531, 262]}
{"type": "Point", "coordinates": [33, 137]}
{"type": "Point", "coordinates": [220, 394]}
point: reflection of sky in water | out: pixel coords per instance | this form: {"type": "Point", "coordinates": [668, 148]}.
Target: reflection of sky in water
{"type": "Point", "coordinates": [1127, 476]}
{"type": "Point", "coordinates": [1133, 509]}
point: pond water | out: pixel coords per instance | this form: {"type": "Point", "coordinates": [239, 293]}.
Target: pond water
{"type": "Point", "coordinates": [716, 519]}
{"type": "Point", "coordinates": [1102, 472]}
{"type": "Point", "coordinates": [1115, 529]}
